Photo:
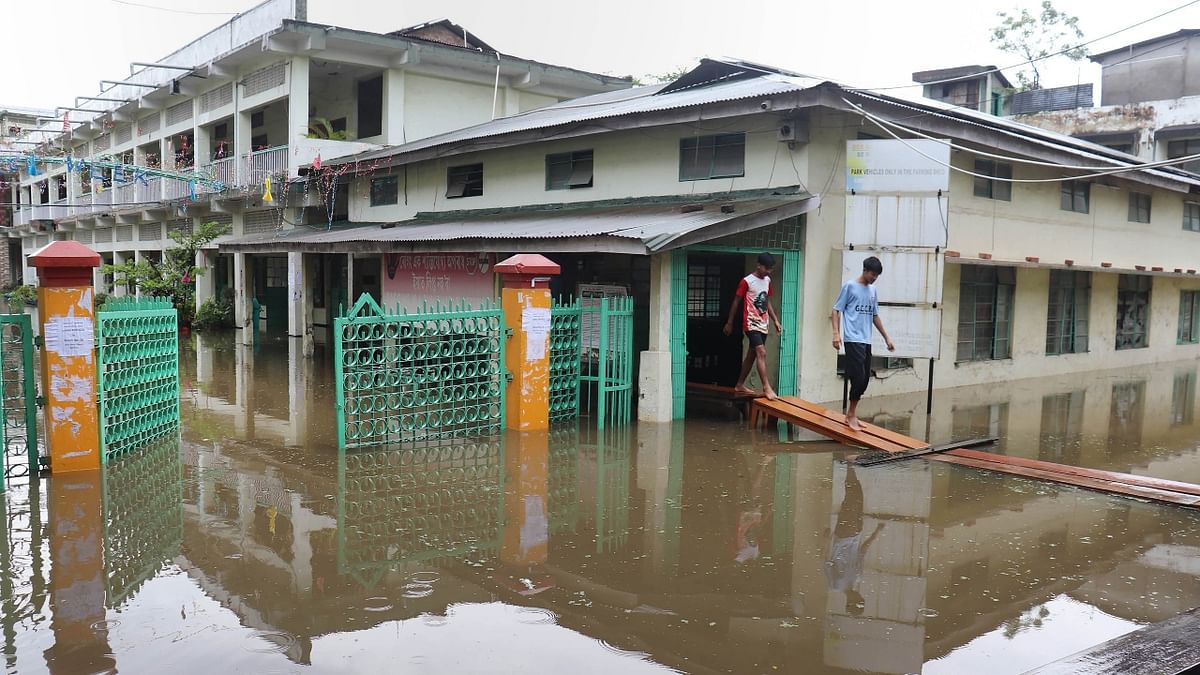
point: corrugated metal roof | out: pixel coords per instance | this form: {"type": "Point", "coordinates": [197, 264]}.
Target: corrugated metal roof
{"type": "Point", "coordinates": [630, 229]}
{"type": "Point", "coordinates": [600, 106]}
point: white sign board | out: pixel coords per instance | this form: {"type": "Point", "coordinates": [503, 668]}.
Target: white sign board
{"type": "Point", "coordinates": [916, 332]}
{"type": "Point", "coordinates": [890, 166]}
{"type": "Point", "coordinates": [896, 220]}
{"type": "Point", "coordinates": [69, 336]}
{"type": "Point", "coordinates": [912, 277]}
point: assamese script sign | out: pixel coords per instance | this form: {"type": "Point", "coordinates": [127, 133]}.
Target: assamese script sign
{"type": "Point", "coordinates": [893, 166]}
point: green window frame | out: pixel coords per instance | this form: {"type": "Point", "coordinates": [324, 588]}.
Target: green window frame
{"type": "Point", "coordinates": [715, 156]}
{"type": "Point", "coordinates": [1067, 312]}
{"type": "Point", "coordinates": [464, 181]}
{"type": "Point", "coordinates": [1133, 311]}
{"type": "Point", "coordinates": [1076, 196]}
{"type": "Point", "coordinates": [985, 312]}
{"type": "Point", "coordinates": [1189, 317]}
{"type": "Point", "coordinates": [1139, 207]}
{"type": "Point", "coordinates": [569, 170]}
{"type": "Point", "coordinates": [989, 188]}
{"type": "Point", "coordinates": [1191, 216]}
{"type": "Point", "coordinates": [385, 190]}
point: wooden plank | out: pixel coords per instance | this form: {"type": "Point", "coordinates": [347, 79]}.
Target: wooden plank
{"type": "Point", "coordinates": [822, 425]}
{"type": "Point", "coordinates": [1169, 647]}
{"type": "Point", "coordinates": [1068, 479]}
{"type": "Point", "coordinates": [728, 392]}
{"type": "Point", "coordinates": [839, 418]}
{"type": "Point", "coordinates": [1126, 478]}
{"type": "Point", "coordinates": [928, 451]}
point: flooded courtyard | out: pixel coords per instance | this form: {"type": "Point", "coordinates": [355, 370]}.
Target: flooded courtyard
{"type": "Point", "coordinates": [253, 545]}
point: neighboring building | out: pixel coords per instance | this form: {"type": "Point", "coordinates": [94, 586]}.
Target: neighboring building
{"type": "Point", "coordinates": [982, 88]}
{"type": "Point", "coordinates": [16, 125]}
{"type": "Point", "coordinates": [666, 192]}
{"type": "Point", "coordinates": [258, 98]}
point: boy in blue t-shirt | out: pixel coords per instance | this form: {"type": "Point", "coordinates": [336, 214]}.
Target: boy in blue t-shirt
{"type": "Point", "coordinates": [855, 310]}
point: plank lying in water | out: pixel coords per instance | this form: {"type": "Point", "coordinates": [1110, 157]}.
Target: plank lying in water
{"type": "Point", "coordinates": [717, 390]}
{"type": "Point", "coordinates": [1114, 476]}
{"type": "Point", "coordinates": [827, 423]}
{"type": "Point", "coordinates": [945, 447]}
{"type": "Point", "coordinates": [1168, 647]}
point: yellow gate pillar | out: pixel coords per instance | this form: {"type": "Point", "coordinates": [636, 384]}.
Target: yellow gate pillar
{"type": "Point", "coordinates": [67, 318]}
{"type": "Point", "coordinates": [525, 300]}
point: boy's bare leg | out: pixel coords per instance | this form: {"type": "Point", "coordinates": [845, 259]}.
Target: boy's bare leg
{"type": "Point", "coordinates": [747, 364]}
{"type": "Point", "coordinates": [760, 360]}
{"type": "Point", "coordinates": [852, 417]}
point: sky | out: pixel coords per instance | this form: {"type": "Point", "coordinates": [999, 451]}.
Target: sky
{"type": "Point", "coordinates": [62, 49]}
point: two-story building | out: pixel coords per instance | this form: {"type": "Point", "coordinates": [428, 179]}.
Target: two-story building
{"type": "Point", "coordinates": [1063, 255]}
{"type": "Point", "coordinates": [252, 102]}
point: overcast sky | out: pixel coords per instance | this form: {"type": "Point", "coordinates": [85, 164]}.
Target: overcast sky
{"type": "Point", "coordinates": [61, 49]}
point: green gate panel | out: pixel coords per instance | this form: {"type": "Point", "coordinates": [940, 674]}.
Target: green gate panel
{"type": "Point", "coordinates": [137, 347]}
{"type": "Point", "coordinates": [20, 454]}
{"type": "Point", "coordinates": [564, 360]}
{"type": "Point", "coordinates": [434, 374]}
{"type": "Point", "coordinates": [678, 328]}
{"type": "Point", "coordinates": [610, 358]}
{"type": "Point", "coordinates": [789, 316]}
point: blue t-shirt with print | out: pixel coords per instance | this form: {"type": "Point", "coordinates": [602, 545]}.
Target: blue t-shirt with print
{"type": "Point", "coordinates": [858, 306]}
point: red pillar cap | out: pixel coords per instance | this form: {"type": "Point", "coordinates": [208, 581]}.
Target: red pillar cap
{"type": "Point", "coordinates": [64, 254]}
{"type": "Point", "coordinates": [527, 263]}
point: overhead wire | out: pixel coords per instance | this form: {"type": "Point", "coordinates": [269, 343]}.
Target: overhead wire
{"type": "Point", "coordinates": [171, 9]}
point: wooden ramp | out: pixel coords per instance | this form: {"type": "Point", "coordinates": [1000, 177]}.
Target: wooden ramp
{"type": "Point", "coordinates": [832, 424]}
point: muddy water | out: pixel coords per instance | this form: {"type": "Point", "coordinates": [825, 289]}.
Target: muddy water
{"type": "Point", "coordinates": [252, 546]}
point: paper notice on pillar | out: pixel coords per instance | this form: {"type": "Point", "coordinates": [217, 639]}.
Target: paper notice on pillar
{"type": "Point", "coordinates": [69, 336]}
{"type": "Point", "coordinates": [535, 321]}
{"type": "Point", "coordinates": [535, 346]}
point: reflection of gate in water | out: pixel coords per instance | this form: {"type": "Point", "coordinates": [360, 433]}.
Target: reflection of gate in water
{"type": "Point", "coordinates": [418, 504]}
{"type": "Point", "coordinates": [607, 453]}
{"type": "Point", "coordinates": [18, 397]}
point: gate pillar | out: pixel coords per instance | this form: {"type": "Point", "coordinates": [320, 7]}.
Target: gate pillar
{"type": "Point", "coordinates": [526, 302]}
{"type": "Point", "coordinates": [66, 314]}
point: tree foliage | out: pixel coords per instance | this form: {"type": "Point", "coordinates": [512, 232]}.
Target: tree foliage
{"type": "Point", "coordinates": [175, 275]}
{"type": "Point", "coordinates": [1036, 37]}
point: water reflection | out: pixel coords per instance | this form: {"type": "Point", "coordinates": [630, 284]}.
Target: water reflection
{"type": "Point", "coordinates": [253, 545]}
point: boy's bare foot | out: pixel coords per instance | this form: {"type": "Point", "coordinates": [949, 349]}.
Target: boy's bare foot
{"type": "Point", "coordinates": [852, 422]}
{"type": "Point", "coordinates": [770, 394]}
{"type": "Point", "coordinates": [743, 389]}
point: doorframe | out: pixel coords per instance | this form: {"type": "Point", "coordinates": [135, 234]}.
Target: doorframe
{"type": "Point", "coordinates": [790, 307]}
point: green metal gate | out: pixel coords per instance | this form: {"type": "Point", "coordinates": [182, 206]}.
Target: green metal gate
{"type": "Point", "coordinates": [435, 374]}
{"type": "Point", "coordinates": [18, 398]}
{"type": "Point", "coordinates": [564, 360]}
{"type": "Point", "coordinates": [137, 352]}
{"type": "Point", "coordinates": [607, 342]}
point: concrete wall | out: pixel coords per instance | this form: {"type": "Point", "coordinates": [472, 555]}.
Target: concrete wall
{"type": "Point", "coordinates": [1153, 72]}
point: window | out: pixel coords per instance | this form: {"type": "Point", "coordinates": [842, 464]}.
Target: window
{"type": "Point", "coordinates": [1075, 196]}
{"type": "Point", "coordinates": [1133, 311]}
{"type": "Point", "coordinates": [569, 170]}
{"type": "Point", "coordinates": [1189, 317]}
{"type": "Point", "coordinates": [717, 156]}
{"type": "Point", "coordinates": [993, 189]}
{"type": "Point", "coordinates": [370, 107]}
{"type": "Point", "coordinates": [1185, 148]}
{"type": "Point", "coordinates": [258, 119]}
{"type": "Point", "coordinates": [1067, 318]}
{"type": "Point", "coordinates": [221, 131]}
{"type": "Point", "coordinates": [464, 181]}
{"type": "Point", "coordinates": [385, 190]}
{"type": "Point", "coordinates": [985, 312]}
{"type": "Point", "coordinates": [1191, 216]}
{"type": "Point", "coordinates": [1139, 207]}
{"type": "Point", "coordinates": [704, 292]}
{"type": "Point", "coordinates": [276, 272]}
{"type": "Point", "coordinates": [259, 142]}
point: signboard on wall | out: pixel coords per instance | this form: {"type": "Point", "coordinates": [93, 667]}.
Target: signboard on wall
{"type": "Point", "coordinates": [916, 332]}
{"type": "Point", "coordinates": [911, 277]}
{"type": "Point", "coordinates": [411, 278]}
{"type": "Point", "coordinates": [897, 220]}
{"type": "Point", "coordinates": [893, 166]}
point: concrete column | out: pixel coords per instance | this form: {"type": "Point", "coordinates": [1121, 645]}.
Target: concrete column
{"type": "Point", "coordinates": [393, 107]}
{"type": "Point", "coordinates": [243, 374]}
{"type": "Point", "coordinates": [137, 258]}
{"type": "Point", "coordinates": [351, 298]}
{"type": "Point", "coordinates": [243, 288]}
{"type": "Point", "coordinates": [299, 290]}
{"type": "Point", "coordinates": [655, 393]}
{"type": "Point", "coordinates": [242, 133]}
{"type": "Point", "coordinates": [297, 110]}
{"type": "Point", "coordinates": [119, 290]}
{"type": "Point", "coordinates": [206, 283]}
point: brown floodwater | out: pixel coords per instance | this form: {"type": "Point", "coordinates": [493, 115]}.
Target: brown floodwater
{"type": "Point", "coordinates": [251, 545]}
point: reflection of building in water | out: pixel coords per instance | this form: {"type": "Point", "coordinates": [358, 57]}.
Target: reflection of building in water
{"type": "Point", "coordinates": [1062, 427]}
{"type": "Point", "coordinates": [424, 503]}
{"type": "Point", "coordinates": [143, 516]}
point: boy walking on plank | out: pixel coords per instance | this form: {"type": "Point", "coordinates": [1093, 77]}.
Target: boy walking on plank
{"type": "Point", "coordinates": [854, 312]}
{"type": "Point", "coordinates": [753, 293]}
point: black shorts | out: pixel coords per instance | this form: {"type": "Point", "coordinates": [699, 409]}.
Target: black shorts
{"type": "Point", "coordinates": [756, 338]}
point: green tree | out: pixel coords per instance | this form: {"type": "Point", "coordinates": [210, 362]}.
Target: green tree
{"type": "Point", "coordinates": [175, 275]}
{"type": "Point", "coordinates": [1037, 37]}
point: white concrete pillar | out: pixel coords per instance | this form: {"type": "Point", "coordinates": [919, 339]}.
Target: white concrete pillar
{"type": "Point", "coordinates": [206, 283]}
{"type": "Point", "coordinates": [350, 297]}
{"type": "Point", "coordinates": [393, 107]}
{"type": "Point", "coordinates": [297, 276]}
{"type": "Point", "coordinates": [243, 289]}
{"type": "Point", "coordinates": [655, 393]}
{"type": "Point", "coordinates": [119, 290]}
{"type": "Point", "coordinates": [659, 474]}
{"type": "Point", "coordinates": [297, 111]}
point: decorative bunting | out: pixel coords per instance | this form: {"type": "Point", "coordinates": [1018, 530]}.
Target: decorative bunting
{"type": "Point", "coordinates": [267, 198]}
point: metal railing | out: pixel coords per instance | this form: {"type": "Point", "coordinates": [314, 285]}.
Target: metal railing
{"type": "Point", "coordinates": [83, 204]}
{"type": "Point", "coordinates": [126, 194]}
{"type": "Point", "coordinates": [260, 165]}
{"type": "Point", "coordinates": [150, 191]}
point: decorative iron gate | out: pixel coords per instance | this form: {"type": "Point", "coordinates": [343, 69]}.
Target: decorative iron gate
{"type": "Point", "coordinates": [137, 349]}
{"type": "Point", "coordinates": [18, 398]}
{"type": "Point", "coordinates": [435, 374]}
{"type": "Point", "coordinates": [564, 360]}
{"type": "Point", "coordinates": [607, 342]}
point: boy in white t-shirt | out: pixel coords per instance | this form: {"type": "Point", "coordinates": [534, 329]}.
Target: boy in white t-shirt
{"type": "Point", "coordinates": [753, 294]}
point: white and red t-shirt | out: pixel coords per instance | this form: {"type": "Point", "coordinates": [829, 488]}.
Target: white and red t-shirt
{"type": "Point", "coordinates": [754, 291]}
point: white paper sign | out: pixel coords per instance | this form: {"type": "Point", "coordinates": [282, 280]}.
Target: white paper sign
{"type": "Point", "coordinates": [535, 320]}
{"type": "Point", "coordinates": [69, 336]}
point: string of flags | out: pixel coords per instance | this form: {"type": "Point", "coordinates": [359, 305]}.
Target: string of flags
{"type": "Point", "coordinates": [121, 172]}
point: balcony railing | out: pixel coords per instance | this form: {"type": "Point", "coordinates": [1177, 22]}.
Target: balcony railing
{"type": "Point", "coordinates": [150, 191]}
{"type": "Point", "coordinates": [126, 195]}
{"type": "Point", "coordinates": [263, 164]}
{"type": "Point", "coordinates": [22, 216]}
{"type": "Point", "coordinates": [83, 205]}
